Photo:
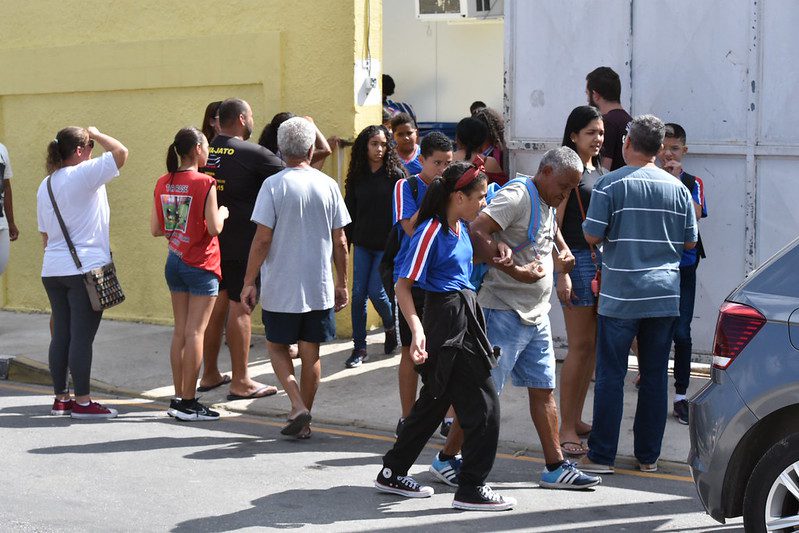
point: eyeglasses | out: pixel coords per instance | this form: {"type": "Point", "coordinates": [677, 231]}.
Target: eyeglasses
{"type": "Point", "coordinates": [89, 144]}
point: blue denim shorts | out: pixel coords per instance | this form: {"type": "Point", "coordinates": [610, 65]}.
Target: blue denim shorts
{"type": "Point", "coordinates": [526, 352]}
{"type": "Point", "coordinates": [581, 276]}
{"type": "Point", "coordinates": [181, 277]}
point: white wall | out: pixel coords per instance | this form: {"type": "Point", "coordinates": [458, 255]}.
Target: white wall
{"type": "Point", "coordinates": [441, 68]}
{"type": "Point", "coordinates": [726, 71]}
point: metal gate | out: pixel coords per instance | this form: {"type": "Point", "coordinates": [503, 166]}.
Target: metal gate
{"type": "Point", "coordinates": [725, 70]}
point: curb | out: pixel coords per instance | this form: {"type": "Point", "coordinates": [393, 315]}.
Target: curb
{"type": "Point", "coordinates": [24, 370]}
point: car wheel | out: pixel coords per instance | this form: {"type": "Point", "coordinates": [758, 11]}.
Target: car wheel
{"type": "Point", "coordinates": [771, 500]}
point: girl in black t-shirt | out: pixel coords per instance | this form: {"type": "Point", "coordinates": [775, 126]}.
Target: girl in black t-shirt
{"type": "Point", "coordinates": [374, 168]}
{"type": "Point", "coordinates": [584, 134]}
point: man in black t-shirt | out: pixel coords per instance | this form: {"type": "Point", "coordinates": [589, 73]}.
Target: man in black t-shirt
{"type": "Point", "coordinates": [603, 88]}
{"type": "Point", "coordinates": [239, 168]}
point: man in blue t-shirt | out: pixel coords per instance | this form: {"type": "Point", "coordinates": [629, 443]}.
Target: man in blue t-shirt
{"type": "Point", "coordinates": [674, 148]}
{"type": "Point", "coordinates": [644, 217]}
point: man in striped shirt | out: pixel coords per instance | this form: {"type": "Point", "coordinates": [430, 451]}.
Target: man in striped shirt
{"type": "Point", "coordinates": [644, 218]}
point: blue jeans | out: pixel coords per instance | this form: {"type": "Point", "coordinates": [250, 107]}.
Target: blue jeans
{"type": "Point", "coordinates": [682, 331]}
{"type": "Point", "coordinates": [614, 339]}
{"type": "Point", "coordinates": [366, 282]}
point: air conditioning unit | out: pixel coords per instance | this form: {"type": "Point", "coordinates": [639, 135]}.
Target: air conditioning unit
{"type": "Point", "coordinates": [454, 10]}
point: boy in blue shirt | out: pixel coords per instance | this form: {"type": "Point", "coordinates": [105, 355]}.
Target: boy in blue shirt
{"type": "Point", "coordinates": [674, 148]}
{"type": "Point", "coordinates": [405, 132]}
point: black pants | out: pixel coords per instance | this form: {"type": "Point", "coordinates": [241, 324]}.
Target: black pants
{"type": "Point", "coordinates": [682, 331]}
{"type": "Point", "coordinates": [477, 405]}
{"type": "Point", "coordinates": [75, 324]}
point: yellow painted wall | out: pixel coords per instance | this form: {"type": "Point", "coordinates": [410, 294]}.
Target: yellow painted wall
{"type": "Point", "coordinates": [139, 70]}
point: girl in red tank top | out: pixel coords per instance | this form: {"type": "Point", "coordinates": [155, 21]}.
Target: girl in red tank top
{"type": "Point", "coordinates": [185, 211]}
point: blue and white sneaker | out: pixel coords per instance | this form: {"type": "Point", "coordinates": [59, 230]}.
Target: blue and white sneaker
{"type": "Point", "coordinates": [447, 471]}
{"type": "Point", "coordinates": [568, 476]}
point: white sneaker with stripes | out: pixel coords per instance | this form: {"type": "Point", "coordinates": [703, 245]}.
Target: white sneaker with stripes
{"type": "Point", "coordinates": [568, 476]}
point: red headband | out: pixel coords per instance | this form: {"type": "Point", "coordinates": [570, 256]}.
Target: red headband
{"type": "Point", "coordinates": [471, 174]}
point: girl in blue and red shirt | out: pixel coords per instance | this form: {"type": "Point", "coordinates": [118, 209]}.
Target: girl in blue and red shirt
{"type": "Point", "coordinates": [450, 347]}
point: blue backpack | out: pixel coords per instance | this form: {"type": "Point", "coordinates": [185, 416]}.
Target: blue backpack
{"type": "Point", "coordinates": [479, 271]}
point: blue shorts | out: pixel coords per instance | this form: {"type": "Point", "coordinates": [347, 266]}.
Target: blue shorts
{"type": "Point", "coordinates": [181, 277]}
{"type": "Point", "coordinates": [581, 276]}
{"type": "Point", "coordinates": [526, 352]}
{"type": "Point", "coordinates": [288, 328]}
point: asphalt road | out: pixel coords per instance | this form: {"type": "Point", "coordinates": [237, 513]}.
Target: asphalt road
{"type": "Point", "coordinates": [146, 472]}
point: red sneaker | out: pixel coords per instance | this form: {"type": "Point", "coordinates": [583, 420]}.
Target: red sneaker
{"type": "Point", "coordinates": [93, 410]}
{"type": "Point", "coordinates": [61, 407]}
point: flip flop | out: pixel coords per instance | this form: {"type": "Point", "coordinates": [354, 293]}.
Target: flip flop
{"type": "Point", "coordinates": [581, 451]}
{"type": "Point", "coordinates": [263, 392]}
{"type": "Point", "coordinates": [295, 425]}
{"type": "Point", "coordinates": [203, 388]}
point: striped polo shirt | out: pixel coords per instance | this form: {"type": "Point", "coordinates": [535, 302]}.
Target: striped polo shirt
{"type": "Point", "coordinates": [645, 216]}
{"type": "Point", "coordinates": [439, 259]}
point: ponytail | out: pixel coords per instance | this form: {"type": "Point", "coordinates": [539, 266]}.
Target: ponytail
{"type": "Point", "coordinates": [455, 178]}
{"type": "Point", "coordinates": [54, 160]}
{"type": "Point", "coordinates": [172, 160]}
{"type": "Point", "coordinates": [185, 141]}
{"type": "Point", "coordinates": [63, 146]}
{"type": "Point", "coordinates": [435, 201]}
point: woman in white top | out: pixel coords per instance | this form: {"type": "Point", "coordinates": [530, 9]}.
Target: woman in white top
{"type": "Point", "coordinates": [78, 184]}
{"type": "Point", "coordinates": [8, 230]}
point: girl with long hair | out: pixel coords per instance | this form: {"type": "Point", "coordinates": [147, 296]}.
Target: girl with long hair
{"type": "Point", "coordinates": [494, 145]}
{"type": "Point", "coordinates": [584, 134]}
{"type": "Point", "coordinates": [77, 182]}
{"type": "Point", "coordinates": [471, 135]}
{"type": "Point", "coordinates": [373, 171]}
{"type": "Point", "coordinates": [210, 127]}
{"type": "Point", "coordinates": [185, 211]}
{"type": "Point", "coordinates": [450, 347]}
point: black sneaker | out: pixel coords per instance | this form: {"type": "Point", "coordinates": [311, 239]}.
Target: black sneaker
{"type": "Point", "coordinates": [400, 422]}
{"type": "Point", "coordinates": [174, 403]}
{"type": "Point", "coordinates": [445, 427]}
{"type": "Point", "coordinates": [194, 411]}
{"type": "Point", "coordinates": [681, 411]}
{"type": "Point", "coordinates": [406, 486]}
{"type": "Point", "coordinates": [358, 356]}
{"type": "Point", "coordinates": [481, 498]}
{"type": "Point", "coordinates": [390, 344]}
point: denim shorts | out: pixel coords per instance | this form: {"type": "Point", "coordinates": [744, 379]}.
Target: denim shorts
{"type": "Point", "coordinates": [181, 277]}
{"type": "Point", "coordinates": [526, 352]}
{"type": "Point", "coordinates": [581, 276]}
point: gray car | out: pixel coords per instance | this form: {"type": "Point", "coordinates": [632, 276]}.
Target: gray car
{"type": "Point", "coordinates": [744, 423]}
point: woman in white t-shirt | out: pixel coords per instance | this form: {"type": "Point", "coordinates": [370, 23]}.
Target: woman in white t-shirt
{"type": "Point", "coordinates": [78, 184]}
{"type": "Point", "coordinates": [8, 230]}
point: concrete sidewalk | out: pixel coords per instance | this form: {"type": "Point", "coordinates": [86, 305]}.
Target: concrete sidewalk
{"type": "Point", "coordinates": [133, 359]}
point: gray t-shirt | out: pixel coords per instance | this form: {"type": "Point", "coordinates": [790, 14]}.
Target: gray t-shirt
{"type": "Point", "coordinates": [510, 208]}
{"type": "Point", "coordinates": [645, 215]}
{"type": "Point", "coordinates": [302, 206]}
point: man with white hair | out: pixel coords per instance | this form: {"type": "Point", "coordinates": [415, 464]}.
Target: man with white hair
{"type": "Point", "coordinates": [300, 216]}
{"type": "Point", "coordinates": [515, 299]}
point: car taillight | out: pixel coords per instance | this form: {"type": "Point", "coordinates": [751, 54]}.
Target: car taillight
{"type": "Point", "coordinates": [736, 326]}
